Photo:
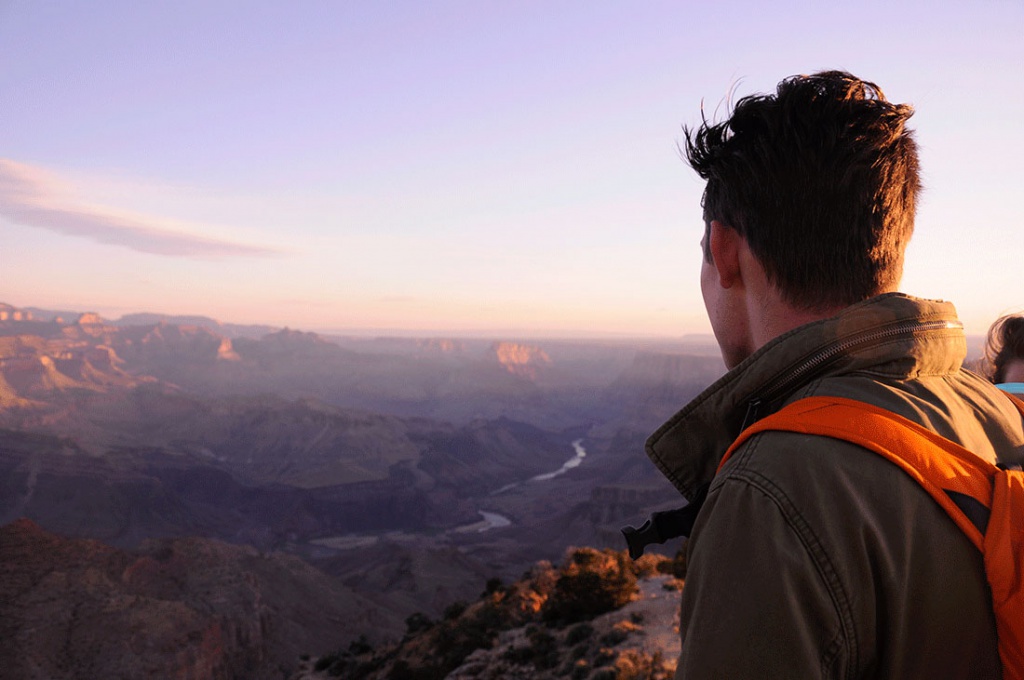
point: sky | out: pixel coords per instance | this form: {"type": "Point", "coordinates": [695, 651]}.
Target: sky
{"type": "Point", "coordinates": [465, 167]}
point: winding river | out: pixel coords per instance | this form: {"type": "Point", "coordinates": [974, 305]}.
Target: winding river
{"type": "Point", "coordinates": [574, 462]}
{"type": "Point", "coordinates": [489, 520]}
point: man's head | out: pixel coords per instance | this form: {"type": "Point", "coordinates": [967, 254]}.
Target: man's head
{"type": "Point", "coordinates": [820, 180]}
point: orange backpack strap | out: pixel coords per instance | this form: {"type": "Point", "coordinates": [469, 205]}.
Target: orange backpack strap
{"type": "Point", "coordinates": [948, 472]}
{"type": "Point", "coordinates": [901, 441]}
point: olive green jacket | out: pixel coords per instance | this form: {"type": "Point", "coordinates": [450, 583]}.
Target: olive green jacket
{"type": "Point", "coordinates": [813, 557]}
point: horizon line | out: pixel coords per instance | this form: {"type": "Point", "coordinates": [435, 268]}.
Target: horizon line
{"type": "Point", "coordinates": [553, 334]}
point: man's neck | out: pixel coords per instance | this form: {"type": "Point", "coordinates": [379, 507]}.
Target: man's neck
{"type": "Point", "coordinates": [772, 315]}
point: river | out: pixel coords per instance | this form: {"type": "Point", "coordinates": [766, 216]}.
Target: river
{"type": "Point", "coordinates": [574, 462]}
{"type": "Point", "coordinates": [490, 520]}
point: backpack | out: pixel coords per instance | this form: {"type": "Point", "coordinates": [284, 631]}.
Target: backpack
{"type": "Point", "coordinates": [985, 501]}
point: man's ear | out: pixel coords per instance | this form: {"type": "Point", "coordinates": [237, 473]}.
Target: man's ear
{"type": "Point", "coordinates": [725, 253]}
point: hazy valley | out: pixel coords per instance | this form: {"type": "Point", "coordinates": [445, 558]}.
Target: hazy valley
{"type": "Point", "coordinates": [407, 472]}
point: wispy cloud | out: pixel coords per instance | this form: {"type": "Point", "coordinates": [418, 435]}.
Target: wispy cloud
{"type": "Point", "coordinates": [32, 197]}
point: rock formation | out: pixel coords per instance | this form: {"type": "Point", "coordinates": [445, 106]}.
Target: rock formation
{"type": "Point", "coordinates": [184, 608]}
{"type": "Point", "coordinates": [522, 360]}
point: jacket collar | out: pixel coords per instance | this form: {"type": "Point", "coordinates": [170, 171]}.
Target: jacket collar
{"type": "Point", "coordinates": [893, 333]}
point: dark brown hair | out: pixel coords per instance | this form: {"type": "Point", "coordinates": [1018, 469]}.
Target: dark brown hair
{"type": "Point", "coordinates": [1005, 344]}
{"type": "Point", "coordinates": [821, 179]}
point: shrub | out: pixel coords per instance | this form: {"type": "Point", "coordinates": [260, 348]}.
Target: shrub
{"type": "Point", "coordinates": [325, 662]}
{"type": "Point", "coordinates": [401, 670]}
{"type": "Point", "coordinates": [360, 646]}
{"type": "Point", "coordinates": [651, 564]}
{"type": "Point", "coordinates": [518, 655]}
{"type": "Point", "coordinates": [417, 622]}
{"type": "Point", "coordinates": [579, 633]}
{"type": "Point", "coordinates": [346, 663]}
{"type": "Point", "coordinates": [454, 610]}
{"type": "Point", "coordinates": [545, 649]}
{"type": "Point", "coordinates": [461, 638]}
{"type": "Point", "coordinates": [591, 583]}
{"type": "Point", "coordinates": [339, 667]}
{"type": "Point", "coordinates": [354, 668]}
{"type": "Point", "coordinates": [494, 585]}
{"type": "Point", "coordinates": [580, 670]}
{"type": "Point", "coordinates": [542, 651]}
{"type": "Point", "coordinates": [578, 652]}
{"type": "Point", "coordinates": [614, 637]}
{"type": "Point", "coordinates": [635, 665]}
{"type": "Point", "coordinates": [604, 656]}
{"type": "Point", "coordinates": [672, 584]}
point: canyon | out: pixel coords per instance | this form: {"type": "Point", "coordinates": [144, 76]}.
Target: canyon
{"type": "Point", "coordinates": [352, 459]}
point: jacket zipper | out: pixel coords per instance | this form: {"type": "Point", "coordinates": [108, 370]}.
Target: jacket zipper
{"type": "Point", "coordinates": [863, 340]}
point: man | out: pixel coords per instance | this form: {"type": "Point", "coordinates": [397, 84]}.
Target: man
{"type": "Point", "coordinates": [812, 557]}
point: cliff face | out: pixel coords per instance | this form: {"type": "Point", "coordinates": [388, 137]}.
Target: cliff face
{"type": "Point", "coordinates": [41, 369]}
{"type": "Point", "coordinates": [11, 313]}
{"type": "Point", "coordinates": [125, 496]}
{"type": "Point", "coordinates": [162, 349]}
{"type": "Point", "coordinates": [185, 608]}
{"type": "Point", "coordinates": [521, 360]}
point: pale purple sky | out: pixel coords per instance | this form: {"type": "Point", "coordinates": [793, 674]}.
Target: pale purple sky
{"type": "Point", "coordinates": [457, 166]}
